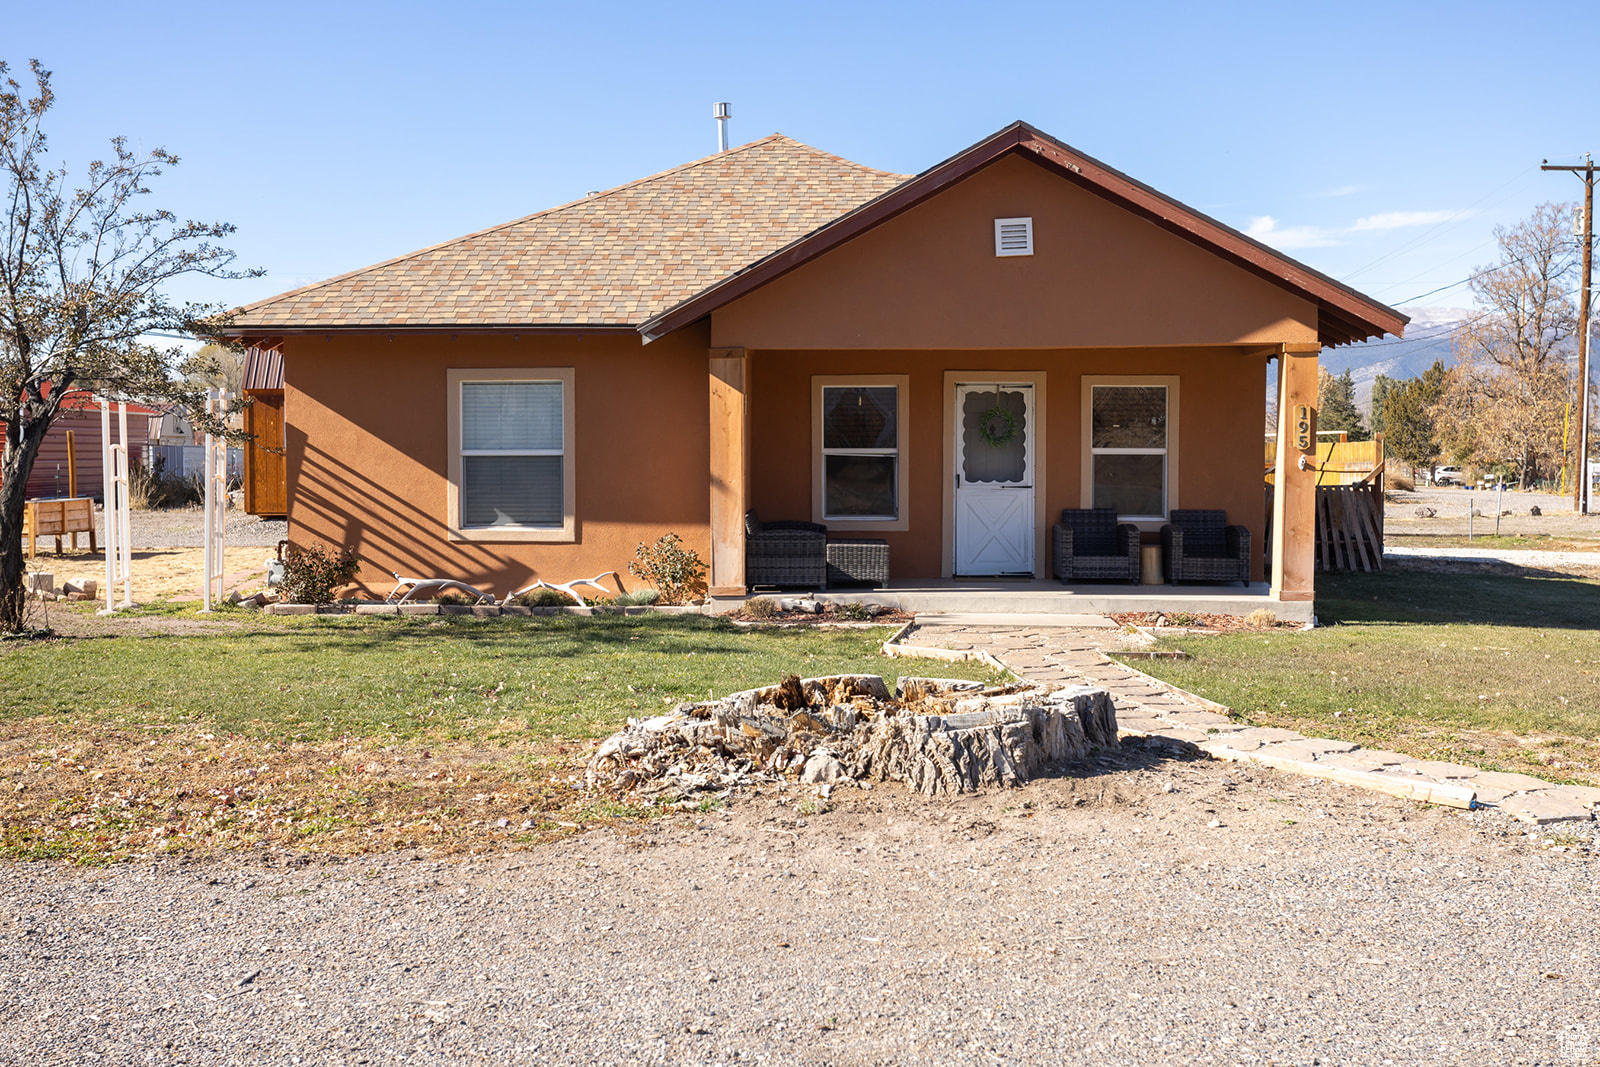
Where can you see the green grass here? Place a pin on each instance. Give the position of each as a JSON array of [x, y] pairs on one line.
[[1471, 666], [402, 677]]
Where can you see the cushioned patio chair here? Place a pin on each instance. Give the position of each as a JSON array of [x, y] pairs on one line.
[[785, 553], [1090, 543], [1200, 546]]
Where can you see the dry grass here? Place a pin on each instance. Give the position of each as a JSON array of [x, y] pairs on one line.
[[97, 794]]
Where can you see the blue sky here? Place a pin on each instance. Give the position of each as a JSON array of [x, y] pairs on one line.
[[1380, 143]]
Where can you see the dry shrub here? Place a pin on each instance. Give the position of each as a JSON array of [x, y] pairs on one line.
[[310, 575], [1398, 482], [761, 607], [1262, 618], [675, 570]]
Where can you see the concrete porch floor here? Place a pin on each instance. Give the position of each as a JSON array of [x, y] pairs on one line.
[[969, 596]]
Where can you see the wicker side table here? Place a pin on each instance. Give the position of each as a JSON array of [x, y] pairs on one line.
[[858, 562]]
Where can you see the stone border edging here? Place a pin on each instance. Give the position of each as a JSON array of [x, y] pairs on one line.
[[1205, 728], [895, 646]]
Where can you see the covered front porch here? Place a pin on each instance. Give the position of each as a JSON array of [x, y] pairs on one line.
[[917, 520], [1049, 598]]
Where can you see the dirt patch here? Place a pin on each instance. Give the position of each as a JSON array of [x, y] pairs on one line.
[[161, 573], [100, 795], [833, 614], [1196, 622], [1452, 508]]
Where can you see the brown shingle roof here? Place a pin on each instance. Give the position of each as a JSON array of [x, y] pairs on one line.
[[612, 259]]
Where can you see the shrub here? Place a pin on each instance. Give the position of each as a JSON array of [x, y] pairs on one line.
[[639, 597], [853, 609], [676, 571], [544, 598], [154, 487], [1181, 618], [1262, 618], [310, 575], [761, 607]]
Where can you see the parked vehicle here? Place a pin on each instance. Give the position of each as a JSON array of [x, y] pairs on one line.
[[1449, 476]]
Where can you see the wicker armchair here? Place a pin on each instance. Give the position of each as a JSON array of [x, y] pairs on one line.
[[1090, 543], [785, 553], [1200, 546]]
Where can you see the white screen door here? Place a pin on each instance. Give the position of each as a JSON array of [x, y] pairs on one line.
[[994, 479]]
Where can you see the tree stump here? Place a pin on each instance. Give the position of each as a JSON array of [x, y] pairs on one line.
[[1005, 742]]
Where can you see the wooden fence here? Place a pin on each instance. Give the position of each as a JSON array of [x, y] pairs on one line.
[[1339, 462], [1349, 527]]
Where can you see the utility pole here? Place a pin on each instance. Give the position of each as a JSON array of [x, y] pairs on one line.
[[1580, 492]]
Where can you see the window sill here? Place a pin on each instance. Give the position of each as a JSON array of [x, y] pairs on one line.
[[515, 534]]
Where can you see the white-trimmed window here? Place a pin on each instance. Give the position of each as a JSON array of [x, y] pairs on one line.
[[1130, 432], [859, 439], [511, 457]]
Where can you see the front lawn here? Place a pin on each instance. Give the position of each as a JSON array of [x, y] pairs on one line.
[[350, 734], [1495, 670]]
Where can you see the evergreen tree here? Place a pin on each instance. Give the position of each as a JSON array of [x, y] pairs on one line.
[[1336, 405], [1380, 389], [1408, 417]]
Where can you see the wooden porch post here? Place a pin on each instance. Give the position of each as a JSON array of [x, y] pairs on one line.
[[1294, 504], [730, 462]]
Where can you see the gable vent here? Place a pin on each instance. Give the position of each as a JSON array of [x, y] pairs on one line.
[[1013, 237]]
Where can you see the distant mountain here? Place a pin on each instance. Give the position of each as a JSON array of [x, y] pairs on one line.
[[1427, 339]]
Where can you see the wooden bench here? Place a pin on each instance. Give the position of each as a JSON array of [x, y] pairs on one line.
[[58, 518]]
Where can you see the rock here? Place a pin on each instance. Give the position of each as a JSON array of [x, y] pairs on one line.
[[1477, 513], [1426, 513], [822, 767], [41, 582], [1535, 510], [805, 604]]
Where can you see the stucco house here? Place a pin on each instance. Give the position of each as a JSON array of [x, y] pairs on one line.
[[921, 359]]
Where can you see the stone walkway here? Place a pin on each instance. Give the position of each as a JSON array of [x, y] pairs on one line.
[[1147, 707]]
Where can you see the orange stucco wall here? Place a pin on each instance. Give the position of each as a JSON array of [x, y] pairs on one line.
[[930, 279], [1221, 397], [367, 454]]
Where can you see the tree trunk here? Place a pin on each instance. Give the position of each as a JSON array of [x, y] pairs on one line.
[[16, 466]]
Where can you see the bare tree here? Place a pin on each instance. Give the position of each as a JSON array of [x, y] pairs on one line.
[[229, 367], [82, 274], [1508, 398]]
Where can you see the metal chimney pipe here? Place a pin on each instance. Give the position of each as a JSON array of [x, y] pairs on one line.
[[721, 112]]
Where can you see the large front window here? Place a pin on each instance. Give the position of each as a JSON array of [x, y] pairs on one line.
[[1130, 432], [861, 474], [511, 454], [511, 469]]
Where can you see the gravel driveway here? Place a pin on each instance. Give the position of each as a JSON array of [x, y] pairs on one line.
[[1097, 920], [186, 528]]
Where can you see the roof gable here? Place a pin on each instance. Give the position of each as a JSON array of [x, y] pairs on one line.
[[1343, 314], [611, 259], [932, 278]]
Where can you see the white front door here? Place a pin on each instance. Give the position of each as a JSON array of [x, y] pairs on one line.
[[994, 479]]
